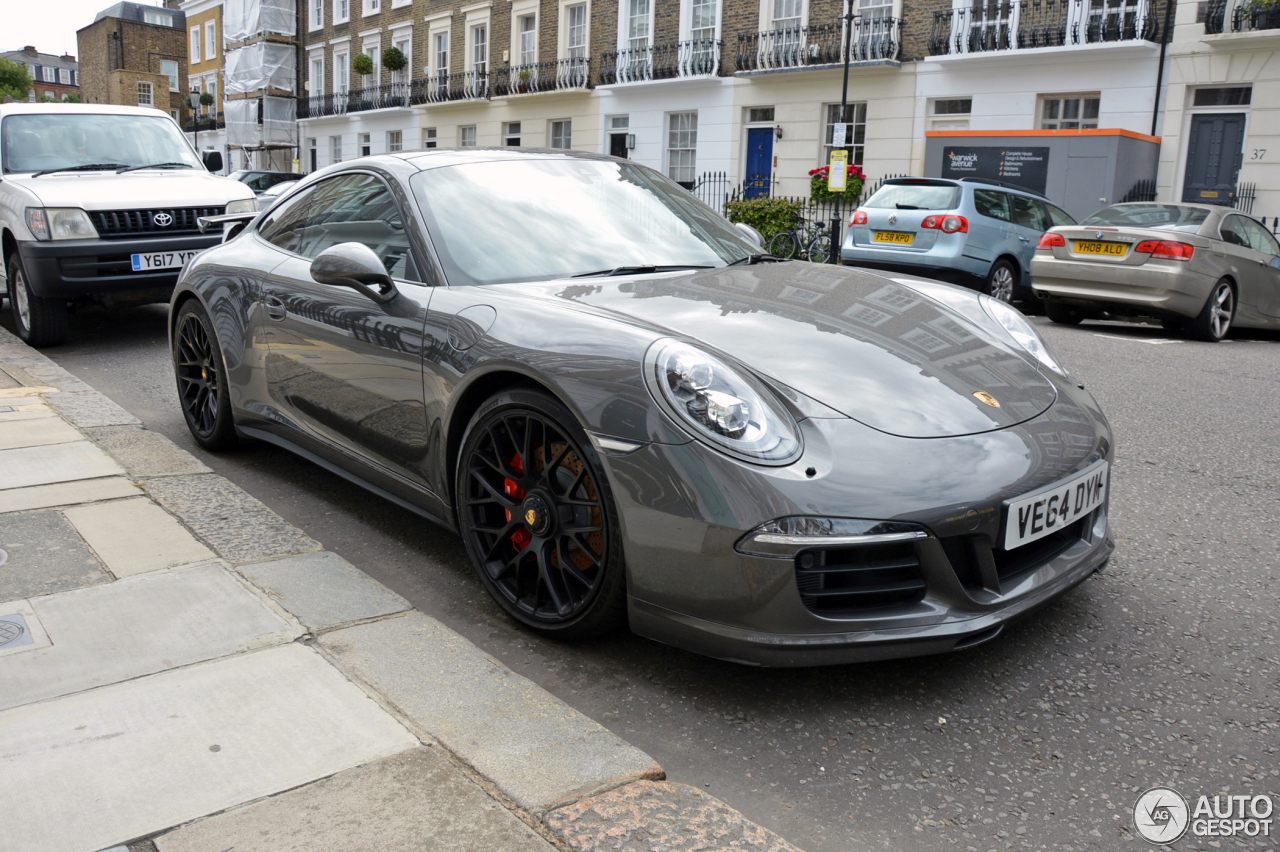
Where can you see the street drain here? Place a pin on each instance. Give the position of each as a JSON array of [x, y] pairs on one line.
[[14, 632]]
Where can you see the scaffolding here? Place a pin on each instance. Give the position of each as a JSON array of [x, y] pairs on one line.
[[260, 85]]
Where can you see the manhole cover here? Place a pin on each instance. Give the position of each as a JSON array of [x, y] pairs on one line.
[[13, 631]]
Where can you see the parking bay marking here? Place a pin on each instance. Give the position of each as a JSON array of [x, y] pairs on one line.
[[1154, 341]]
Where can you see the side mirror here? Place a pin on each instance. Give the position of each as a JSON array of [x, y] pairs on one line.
[[212, 161], [356, 266], [1275, 263], [750, 233]]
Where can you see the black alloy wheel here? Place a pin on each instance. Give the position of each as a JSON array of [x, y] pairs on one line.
[[202, 379], [537, 519]]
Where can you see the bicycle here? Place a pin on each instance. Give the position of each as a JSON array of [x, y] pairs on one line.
[[810, 241]]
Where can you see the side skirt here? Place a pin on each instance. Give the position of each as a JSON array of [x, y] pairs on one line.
[[283, 443]]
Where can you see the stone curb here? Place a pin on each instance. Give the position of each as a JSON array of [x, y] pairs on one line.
[[607, 795]]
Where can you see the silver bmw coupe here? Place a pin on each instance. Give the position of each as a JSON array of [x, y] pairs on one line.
[[1196, 268], [632, 415]]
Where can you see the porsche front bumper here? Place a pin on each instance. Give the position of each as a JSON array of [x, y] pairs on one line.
[[683, 508]]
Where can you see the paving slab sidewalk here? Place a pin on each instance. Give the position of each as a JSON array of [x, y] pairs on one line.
[[182, 665]]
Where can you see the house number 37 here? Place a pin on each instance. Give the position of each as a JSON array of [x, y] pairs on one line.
[[1258, 153]]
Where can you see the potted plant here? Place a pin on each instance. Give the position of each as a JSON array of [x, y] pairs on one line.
[[362, 65], [854, 180], [1261, 15], [394, 60], [524, 76]]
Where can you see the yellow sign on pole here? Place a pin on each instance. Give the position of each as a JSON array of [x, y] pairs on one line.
[[838, 175]]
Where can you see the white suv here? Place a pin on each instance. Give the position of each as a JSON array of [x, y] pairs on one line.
[[100, 202]]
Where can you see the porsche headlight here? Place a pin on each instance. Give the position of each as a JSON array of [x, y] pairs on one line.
[[1021, 332], [244, 205], [60, 223], [721, 405]]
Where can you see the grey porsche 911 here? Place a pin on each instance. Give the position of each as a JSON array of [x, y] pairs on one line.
[[632, 415]]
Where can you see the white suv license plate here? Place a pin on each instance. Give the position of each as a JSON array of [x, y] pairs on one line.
[[1050, 509], [161, 260]]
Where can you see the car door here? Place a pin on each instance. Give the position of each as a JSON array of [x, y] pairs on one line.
[[1263, 242], [1248, 266], [991, 233], [341, 367], [1029, 222]]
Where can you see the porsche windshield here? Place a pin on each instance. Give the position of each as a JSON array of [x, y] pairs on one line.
[[537, 219], [91, 141]]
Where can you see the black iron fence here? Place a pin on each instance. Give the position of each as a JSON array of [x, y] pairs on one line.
[[716, 191], [873, 38], [699, 57], [1143, 190], [1251, 16], [1013, 24]]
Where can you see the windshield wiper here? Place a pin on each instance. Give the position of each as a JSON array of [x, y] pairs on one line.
[[639, 270], [910, 207], [155, 166], [91, 167], [753, 259]]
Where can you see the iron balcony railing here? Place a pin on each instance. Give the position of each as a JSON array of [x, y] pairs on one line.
[[1040, 23], [1221, 17], [208, 121], [873, 39], [699, 57], [548, 76], [440, 88]]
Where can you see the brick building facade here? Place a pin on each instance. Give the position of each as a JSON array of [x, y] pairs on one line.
[[135, 55], [52, 77]]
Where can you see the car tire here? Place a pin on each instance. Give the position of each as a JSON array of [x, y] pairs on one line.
[[1002, 280], [784, 245], [1214, 320], [39, 322], [1063, 314], [201, 374], [512, 505]]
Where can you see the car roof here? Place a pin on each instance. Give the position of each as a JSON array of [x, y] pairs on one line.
[[963, 182], [82, 109], [436, 157]]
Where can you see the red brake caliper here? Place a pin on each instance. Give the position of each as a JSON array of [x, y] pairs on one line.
[[520, 538]]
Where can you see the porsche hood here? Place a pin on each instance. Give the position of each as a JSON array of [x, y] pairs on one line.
[[872, 349]]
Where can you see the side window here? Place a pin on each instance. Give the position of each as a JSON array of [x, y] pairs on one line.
[[994, 205], [1057, 216], [351, 208], [1233, 232], [1260, 239], [1028, 213]]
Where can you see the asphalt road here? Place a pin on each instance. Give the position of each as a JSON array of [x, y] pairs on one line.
[[1161, 670]]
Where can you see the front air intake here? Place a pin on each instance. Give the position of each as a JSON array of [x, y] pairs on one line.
[[842, 581]]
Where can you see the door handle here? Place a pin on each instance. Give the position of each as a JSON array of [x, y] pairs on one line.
[[1024, 239], [275, 308]]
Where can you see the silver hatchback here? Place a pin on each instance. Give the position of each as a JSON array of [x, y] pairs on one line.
[[979, 234]]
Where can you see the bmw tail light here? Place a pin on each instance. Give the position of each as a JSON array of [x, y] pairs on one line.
[[955, 225], [1048, 242], [1168, 249], [859, 217]]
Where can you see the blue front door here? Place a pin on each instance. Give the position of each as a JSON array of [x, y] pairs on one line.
[[759, 162]]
